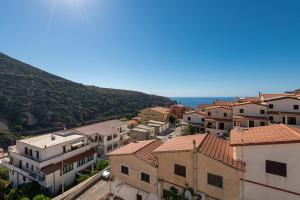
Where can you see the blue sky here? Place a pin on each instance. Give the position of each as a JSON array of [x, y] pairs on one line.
[[166, 47]]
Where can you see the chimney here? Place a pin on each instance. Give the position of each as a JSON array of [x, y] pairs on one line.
[[52, 137]]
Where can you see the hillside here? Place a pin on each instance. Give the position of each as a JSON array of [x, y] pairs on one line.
[[33, 101]]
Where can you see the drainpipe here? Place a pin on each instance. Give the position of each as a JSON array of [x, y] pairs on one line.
[[194, 167]]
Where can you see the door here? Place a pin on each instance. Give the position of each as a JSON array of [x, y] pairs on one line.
[[292, 120], [251, 123]]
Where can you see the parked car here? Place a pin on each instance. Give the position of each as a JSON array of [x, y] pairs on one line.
[[105, 175]]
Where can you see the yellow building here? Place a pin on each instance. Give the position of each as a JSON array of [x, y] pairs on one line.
[[156, 113]]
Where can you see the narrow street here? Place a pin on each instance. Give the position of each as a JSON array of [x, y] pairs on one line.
[[96, 192]]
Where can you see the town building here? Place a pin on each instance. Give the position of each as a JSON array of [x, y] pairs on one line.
[[196, 119], [177, 110], [250, 114], [155, 113], [52, 160], [271, 155], [284, 109], [106, 136], [141, 132], [134, 171], [218, 120]]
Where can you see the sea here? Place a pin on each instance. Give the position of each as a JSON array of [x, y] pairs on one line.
[[195, 101]]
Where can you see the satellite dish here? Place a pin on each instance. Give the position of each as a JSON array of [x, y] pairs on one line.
[[188, 195]]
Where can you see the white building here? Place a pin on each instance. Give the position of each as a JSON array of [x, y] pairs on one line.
[[250, 114], [50, 159], [106, 136], [196, 119], [271, 155], [284, 110]]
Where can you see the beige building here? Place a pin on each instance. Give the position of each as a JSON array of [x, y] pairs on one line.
[[202, 162], [271, 154], [250, 114], [156, 113], [218, 120], [134, 171]]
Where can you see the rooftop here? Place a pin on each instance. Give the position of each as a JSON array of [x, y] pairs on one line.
[[223, 103], [141, 149], [161, 109], [180, 143], [101, 128], [216, 107], [52, 139], [220, 150], [264, 135]]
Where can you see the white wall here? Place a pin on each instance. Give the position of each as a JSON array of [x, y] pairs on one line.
[[194, 118], [255, 158], [250, 110], [285, 105]]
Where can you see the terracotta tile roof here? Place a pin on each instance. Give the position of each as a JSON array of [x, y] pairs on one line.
[[281, 97], [216, 107], [245, 99], [132, 122], [101, 128], [141, 149], [263, 135], [204, 106], [146, 153], [51, 168], [131, 148], [180, 143], [161, 110], [197, 112], [223, 103], [251, 117], [220, 150], [249, 102], [270, 96]]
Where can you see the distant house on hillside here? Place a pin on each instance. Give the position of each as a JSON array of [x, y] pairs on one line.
[[156, 113]]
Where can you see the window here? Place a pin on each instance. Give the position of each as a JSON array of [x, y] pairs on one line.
[[251, 124], [139, 197], [225, 114], [109, 147], [296, 107], [27, 165], [241, 110], [215, 180], [24, 178], [89, 158], [30, 152], [31, 167], [202, 119], [115, 135], [180, 170], [277, 168], [67, 168], [124, 170], [221, 126], [271, 118], [209, 113], [64, 149], [271, 106], [96, 138], [80, 162], [262, 123], [145, 177], [189, 118], [262, 112], [37, 154], [26, 150], [116, 145], [109, 138]]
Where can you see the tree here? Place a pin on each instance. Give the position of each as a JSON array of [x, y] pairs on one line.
[[191, 130], [101, 164], [4, 173], [172, 119], [2, 188], [40, 197]]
